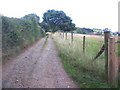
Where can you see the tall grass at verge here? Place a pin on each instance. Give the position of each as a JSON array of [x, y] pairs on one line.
[[88, 73]]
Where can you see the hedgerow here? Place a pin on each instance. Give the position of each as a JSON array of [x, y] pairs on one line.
[[19, 33]]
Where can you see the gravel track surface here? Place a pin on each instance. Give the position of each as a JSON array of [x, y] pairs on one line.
[[36, 68]]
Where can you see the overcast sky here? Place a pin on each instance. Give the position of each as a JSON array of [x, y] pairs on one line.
[[84, 13]]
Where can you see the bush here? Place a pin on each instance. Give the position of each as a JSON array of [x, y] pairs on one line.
[[18, 33]]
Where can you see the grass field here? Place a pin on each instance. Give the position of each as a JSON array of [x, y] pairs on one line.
[[88, 73]]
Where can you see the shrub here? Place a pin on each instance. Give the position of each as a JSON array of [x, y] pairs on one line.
[[18, 33]]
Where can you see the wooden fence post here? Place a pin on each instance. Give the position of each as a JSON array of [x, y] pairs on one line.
[[66, 35], [83, 44], [72, 35], [106, 36], [112, 65]]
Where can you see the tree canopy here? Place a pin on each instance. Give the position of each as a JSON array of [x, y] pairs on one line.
[[32, 17], [57, 20]]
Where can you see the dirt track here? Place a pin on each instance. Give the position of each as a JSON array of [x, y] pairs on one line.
[[36, 68]]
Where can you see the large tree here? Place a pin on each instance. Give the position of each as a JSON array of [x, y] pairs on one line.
[[57, 20], [32, 17]]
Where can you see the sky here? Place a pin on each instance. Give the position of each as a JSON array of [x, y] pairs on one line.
[[98, 14]]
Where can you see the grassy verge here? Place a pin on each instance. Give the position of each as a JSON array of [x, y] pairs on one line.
[[44, 43], [82, 78], [16, 53], [119, 80], [80, 66]]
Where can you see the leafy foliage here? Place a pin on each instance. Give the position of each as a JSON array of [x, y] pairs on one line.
[[32, 17], [57, 20], [84, 30], [18, 33]]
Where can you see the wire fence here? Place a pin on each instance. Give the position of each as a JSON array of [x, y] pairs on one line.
[[108, 47]]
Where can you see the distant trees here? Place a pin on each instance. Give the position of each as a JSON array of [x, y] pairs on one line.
[[84, 30], [57, 20], [118, 33]]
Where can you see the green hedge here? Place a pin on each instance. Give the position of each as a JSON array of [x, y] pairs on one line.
[[18, 33]]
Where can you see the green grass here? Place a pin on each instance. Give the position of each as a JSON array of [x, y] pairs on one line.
[[83, 79], [80, 66], [119, 49], [45, 42]]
